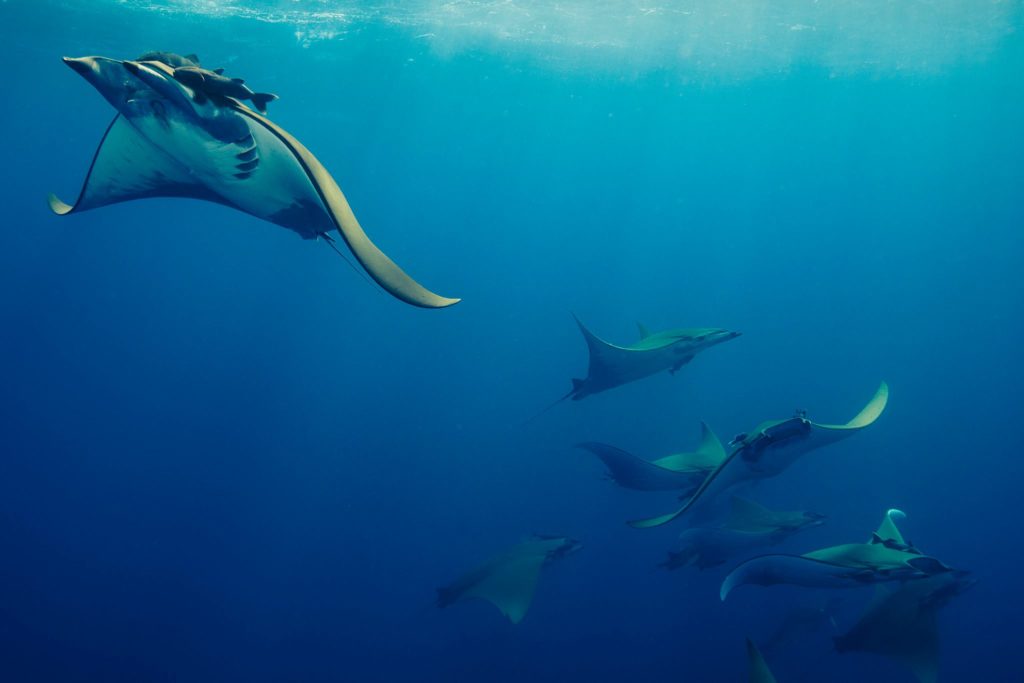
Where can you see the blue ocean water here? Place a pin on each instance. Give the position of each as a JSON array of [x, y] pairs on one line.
[[228, 458]]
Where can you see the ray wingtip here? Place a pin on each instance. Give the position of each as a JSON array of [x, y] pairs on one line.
[[446, 302], [59, 207], [424, 300], [644, 523]]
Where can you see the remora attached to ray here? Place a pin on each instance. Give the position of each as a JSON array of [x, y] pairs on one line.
[[508, 579], [768, 450], [903, 623], [885, 557], [612, 366], [163, 143], [670, 473], [748, 527]]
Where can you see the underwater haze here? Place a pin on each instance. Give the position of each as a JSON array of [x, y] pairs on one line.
[[228, 457]]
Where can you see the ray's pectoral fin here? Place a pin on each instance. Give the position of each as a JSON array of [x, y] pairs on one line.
[[868, 413], [759, 671], [382, 269], [126, 166], [510, 586]]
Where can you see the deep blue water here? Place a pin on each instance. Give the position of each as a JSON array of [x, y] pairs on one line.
[[225, 457]]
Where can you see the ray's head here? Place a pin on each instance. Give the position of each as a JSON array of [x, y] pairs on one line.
[[133, 88], [567, 546], [149, 90], [109, 76], [706, 337], [812, 519]]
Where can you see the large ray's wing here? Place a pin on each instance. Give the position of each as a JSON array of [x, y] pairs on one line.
[[770, 570], [632, 472], [902, 624], [603, 356], [923, 658], [759, 671], [509, 581], [127, 166], [381, 268], [729, 473], [868, 413]]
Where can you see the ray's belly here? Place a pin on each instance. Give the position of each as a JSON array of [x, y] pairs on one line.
[[255, 172]]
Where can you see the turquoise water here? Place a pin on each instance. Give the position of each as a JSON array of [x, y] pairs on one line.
[[227, 457]]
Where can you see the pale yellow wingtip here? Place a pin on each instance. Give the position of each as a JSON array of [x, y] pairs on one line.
[[57, 206], [873, 409]]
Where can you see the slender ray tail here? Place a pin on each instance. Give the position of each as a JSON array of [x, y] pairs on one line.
[[572, 392], [333, 245]]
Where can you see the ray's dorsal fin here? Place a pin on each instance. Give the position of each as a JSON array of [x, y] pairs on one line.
[[602, 353], [219, 71], [759, 671], [192, 58], [707, 456], [127, 166], [642, 329]]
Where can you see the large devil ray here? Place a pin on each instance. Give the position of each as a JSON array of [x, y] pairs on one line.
[[886, 557], [508, 579], [163, 143], [612, 366], [672, 472], [903, 624], [768, 450], [749, 526]]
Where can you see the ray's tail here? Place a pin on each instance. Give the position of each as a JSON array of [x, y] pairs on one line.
[[333, 245], [572, 394]]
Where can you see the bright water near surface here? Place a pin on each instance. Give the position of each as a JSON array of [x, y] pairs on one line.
[[225, 457]]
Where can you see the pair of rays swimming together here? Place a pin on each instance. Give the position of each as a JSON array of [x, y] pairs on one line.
[[184, 131], [901, 620]]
